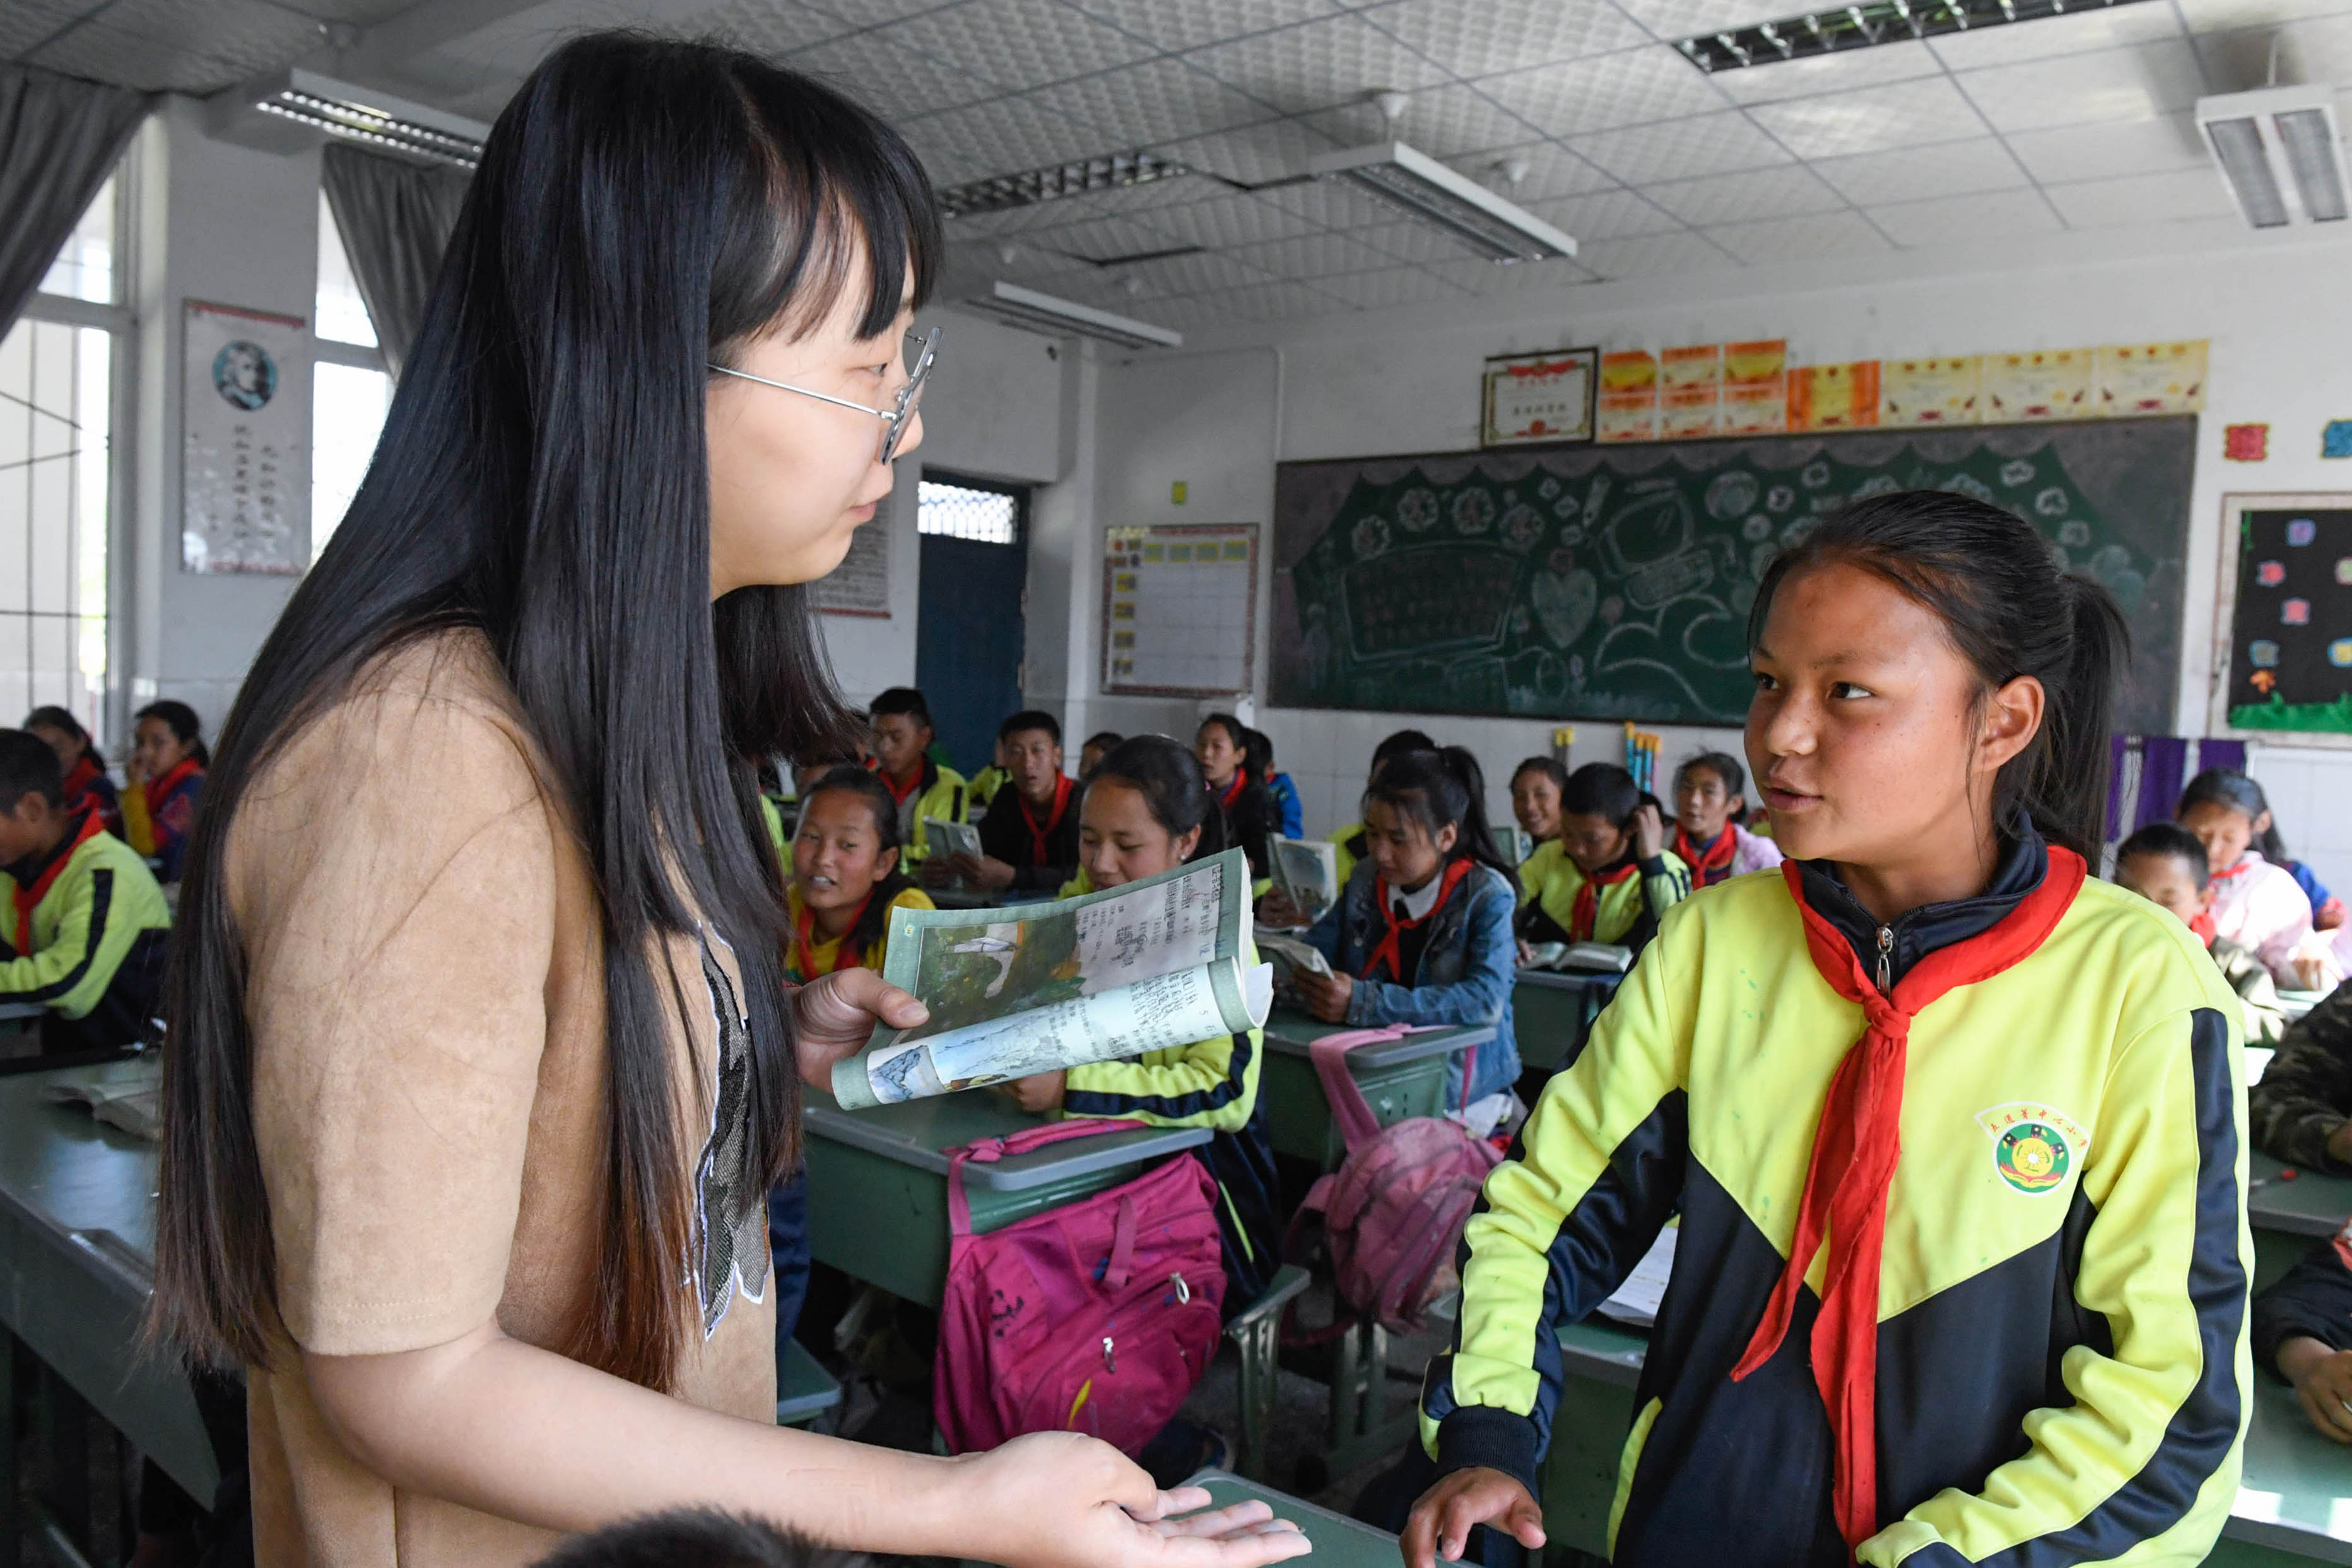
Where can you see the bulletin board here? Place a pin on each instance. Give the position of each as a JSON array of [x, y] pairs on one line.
[[1180, 610], [1614, 581], [2286, 605]]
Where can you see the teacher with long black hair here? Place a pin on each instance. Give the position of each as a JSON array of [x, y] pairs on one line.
[[480, 1062]]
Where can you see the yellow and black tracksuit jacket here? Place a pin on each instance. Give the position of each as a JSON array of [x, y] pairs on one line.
[[2062, 1366], [806, 958], [1625, 912], [941, 793], [97, 935]]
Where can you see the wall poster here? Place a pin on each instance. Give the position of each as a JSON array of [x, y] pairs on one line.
[[2282, 659], [1180, 610], [1539, 397], [244, 454]]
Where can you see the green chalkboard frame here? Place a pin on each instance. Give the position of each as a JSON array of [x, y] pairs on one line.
[[1582, 581], [2242, 613]]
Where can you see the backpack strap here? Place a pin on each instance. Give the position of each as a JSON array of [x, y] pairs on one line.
[[988, 1150], [1358, 1125]]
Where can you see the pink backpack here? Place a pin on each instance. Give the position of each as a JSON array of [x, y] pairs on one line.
[[1393, 1211], [1095, 1317]]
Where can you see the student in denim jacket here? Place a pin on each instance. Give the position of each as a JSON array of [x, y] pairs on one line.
[[1422, 934]]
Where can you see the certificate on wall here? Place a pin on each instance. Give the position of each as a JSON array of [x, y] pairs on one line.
[[2047, 383], [860, 585], [1931, 392], [1834, 397], [1690, 389], [1755, 387], [1539, 397], [244, 452], [1629, 397], [2151, 378]]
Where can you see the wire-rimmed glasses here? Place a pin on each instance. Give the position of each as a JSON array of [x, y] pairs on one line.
[[923, 350]]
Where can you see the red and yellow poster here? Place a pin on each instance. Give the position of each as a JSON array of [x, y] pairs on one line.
[[1629, 396], [2150, 378], [1690, 389], [1834, 397], [2047, 384], [1755, 387], [1931, 392]]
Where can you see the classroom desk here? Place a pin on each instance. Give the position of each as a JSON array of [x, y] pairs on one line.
[[1340, 1542], [877, 1181], [76, 1267], [2294, 1004], [1401, 1078], [1553, 1011], [2288, 1217]]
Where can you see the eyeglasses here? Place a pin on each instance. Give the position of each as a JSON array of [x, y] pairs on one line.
[[923, 350]]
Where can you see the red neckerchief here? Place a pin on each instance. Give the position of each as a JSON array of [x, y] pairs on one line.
[[1855, 1149], [27, 897], [1390, 949], [1711, 865], [804, 926], [1584, 915], [85, 774], [2243, 866], [1037, 835], [1234, 790], [159, 790], [2200, 925], [899, 792]]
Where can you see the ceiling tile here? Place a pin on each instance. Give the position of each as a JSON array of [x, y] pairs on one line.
[[1252, 154], [873, 12], [1829, 73], [2078, 33], [1681, 149], [1966, 220], [1628, 88], [2143, 199], [2110, 148], [1122, 201], [1188, 24], [1654, 255], [1681, 18], [999, 137], [1142, 105], [773, 26], [1318, 64], [1743, 197], [27, 23], [897, 82], [2114, 84], [1223, 222], [1799, 239], [2315, 49], [1019, 44], [2228, 15], [172, 46], [1313, 257], [1450, 121], [1398, 286], [1605, 215], [1552, 170], [1333, 205], [1872, 119], [1486, 278], [1491, 35], [1260, 302], [1205, 273], [1951, 169]]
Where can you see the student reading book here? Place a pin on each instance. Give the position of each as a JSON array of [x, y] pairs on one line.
[[923, 787]]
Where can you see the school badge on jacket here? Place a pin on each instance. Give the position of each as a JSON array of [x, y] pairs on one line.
[[2034, 1146]]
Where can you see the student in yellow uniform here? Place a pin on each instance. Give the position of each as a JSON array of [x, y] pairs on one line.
[[845, 877], [1538, 787], [1148, 811], [923, 788], [992, 778], [1350, 841], [1953, 1127], [1607, 877]]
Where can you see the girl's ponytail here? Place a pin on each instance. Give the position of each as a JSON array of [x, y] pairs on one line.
[[1440, 790], [1476, 838], [2064, 789]]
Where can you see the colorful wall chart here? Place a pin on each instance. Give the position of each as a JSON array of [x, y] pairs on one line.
[[1180, 609], [2290, 618]]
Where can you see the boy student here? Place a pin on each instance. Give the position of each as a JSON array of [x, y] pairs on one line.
[[1029, 839], [922, 786], [2165, 864], [86, 921]]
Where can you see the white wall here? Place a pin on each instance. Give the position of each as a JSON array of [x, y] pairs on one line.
[[1218, 416]]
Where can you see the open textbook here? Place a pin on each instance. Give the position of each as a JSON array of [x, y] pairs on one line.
[[1308, 873], [1036, 988], [945, 837], [1588, 957]]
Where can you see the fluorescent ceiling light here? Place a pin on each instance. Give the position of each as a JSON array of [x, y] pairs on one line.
[[1112, 172], [1427, 190], [1059, 317], [290, 109], [1839, 29], [2280, 153]]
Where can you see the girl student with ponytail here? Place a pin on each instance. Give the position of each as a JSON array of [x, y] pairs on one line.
[[166, 773], [1952, 1126], [1147, 811], [2257, 902], [1421, 933], [1607, 877], [845, 878], [1711, 834]]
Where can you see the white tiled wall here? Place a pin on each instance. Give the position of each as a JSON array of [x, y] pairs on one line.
[[2310, 791]]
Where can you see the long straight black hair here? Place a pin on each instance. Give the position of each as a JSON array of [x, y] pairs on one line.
[[2228, 787], [1988, 576], [1443, 789], [1168, 776], [643, 208]]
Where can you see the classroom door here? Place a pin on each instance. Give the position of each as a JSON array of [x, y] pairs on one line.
[[970, 620]]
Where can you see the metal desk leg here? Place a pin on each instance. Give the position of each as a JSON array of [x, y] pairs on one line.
[[1362, 1426], [1256, 1333]]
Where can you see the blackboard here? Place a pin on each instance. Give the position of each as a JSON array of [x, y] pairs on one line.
[[2291, 616], [1614, 581]]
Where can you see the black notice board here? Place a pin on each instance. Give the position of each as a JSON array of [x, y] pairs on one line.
[[1614, 581], [2291, 619]]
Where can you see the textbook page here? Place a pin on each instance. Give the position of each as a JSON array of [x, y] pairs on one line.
[[946, 838], [1033, 988], [1644, 1291], [1307, 872]]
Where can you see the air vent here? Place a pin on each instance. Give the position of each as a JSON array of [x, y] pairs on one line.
[[1839, 29], [1001, 193]]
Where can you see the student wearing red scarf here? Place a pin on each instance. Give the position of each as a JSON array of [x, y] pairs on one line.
[[1607, 877], [168, 760], [86, 783], [1711, 834], [1953, 1129], [1029, 839], [2165, 864], [1222, 747]]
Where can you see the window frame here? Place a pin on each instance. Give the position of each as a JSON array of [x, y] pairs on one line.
[[1019, 494]]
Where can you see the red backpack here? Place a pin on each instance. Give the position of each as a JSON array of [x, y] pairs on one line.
[[1393, 1212], [1095, 1317]]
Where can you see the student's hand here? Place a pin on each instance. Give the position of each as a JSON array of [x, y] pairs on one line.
[[1527, 953], [937, 872], [1325, 996], [2310, 972], [2322, 1381], [1055, 1499], [1040, 1092], [833, 1017], [1441, 1522], [1649, 831], [987, 872], [1277, 909]]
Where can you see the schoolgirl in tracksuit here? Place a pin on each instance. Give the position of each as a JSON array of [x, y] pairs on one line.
[[1953, 1127]]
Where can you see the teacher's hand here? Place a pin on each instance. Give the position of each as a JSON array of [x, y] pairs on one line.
[[833, 1017]]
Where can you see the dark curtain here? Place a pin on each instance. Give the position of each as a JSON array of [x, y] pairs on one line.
[[59, 138], [395, 218]]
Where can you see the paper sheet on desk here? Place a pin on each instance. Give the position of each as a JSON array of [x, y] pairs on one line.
[[1637, 1300]]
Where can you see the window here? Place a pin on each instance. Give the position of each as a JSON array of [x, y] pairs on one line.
[[969, 509], [57, 382], [350, 392]]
